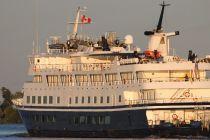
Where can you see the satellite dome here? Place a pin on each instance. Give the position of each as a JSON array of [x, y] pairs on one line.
[[128, 39]]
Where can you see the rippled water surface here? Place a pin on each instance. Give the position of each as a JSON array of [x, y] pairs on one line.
[[18, 132]]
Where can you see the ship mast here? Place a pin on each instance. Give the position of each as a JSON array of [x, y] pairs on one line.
[[75, 28], [159, 26], [158, 39], [76, 22]]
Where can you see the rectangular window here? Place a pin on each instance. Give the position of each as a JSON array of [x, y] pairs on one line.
[[107, 119], [82, 120], [101, 120], [69, 100], [52, 80], [89, 119], [95, 119], [76, 100], [111, 78], [81, 79], [50, 119], [50, 99], [89, 99], [36, 118], [28, 99], [66, 80], [83, 99], [39, 99], [58, 100], [140, 75], [33, 99], [96, 78], [37, 79], [76, 120], [45, 100], [107, 99], [126, 77], [42, 118], [101, 100], [95, 99], [120, 98]]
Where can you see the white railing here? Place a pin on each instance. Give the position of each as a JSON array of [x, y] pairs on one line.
[[71, 67], [167, 100], [123, 82], [179, 79]]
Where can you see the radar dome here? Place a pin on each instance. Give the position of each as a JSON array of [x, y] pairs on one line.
[[128, 39]]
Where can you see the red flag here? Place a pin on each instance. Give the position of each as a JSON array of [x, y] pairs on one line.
[[85, 19]]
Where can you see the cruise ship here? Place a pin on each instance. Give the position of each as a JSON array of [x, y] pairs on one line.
[[110, 88]]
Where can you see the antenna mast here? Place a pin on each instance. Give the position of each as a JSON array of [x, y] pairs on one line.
[[76, 22], [159, 26], [75, 28]]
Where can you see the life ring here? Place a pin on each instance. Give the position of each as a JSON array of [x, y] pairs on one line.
[[175, 116], [187, 94]]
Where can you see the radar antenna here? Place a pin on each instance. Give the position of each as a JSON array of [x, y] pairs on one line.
[[159, 26]]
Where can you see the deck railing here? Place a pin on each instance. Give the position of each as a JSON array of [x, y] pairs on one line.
[[72, 67], [123, 82], [168, 100]]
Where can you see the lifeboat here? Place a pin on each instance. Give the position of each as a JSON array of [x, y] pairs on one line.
[[152, 54]]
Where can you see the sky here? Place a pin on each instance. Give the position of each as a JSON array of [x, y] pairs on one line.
[[21, 19]]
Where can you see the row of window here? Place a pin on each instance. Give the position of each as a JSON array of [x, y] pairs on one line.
[[41, 99], [49, 99], [87, 120], [95, 99], [77, 120], [43, 118], [66, 80]]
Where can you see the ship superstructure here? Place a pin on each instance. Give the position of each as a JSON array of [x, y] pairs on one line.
[[109, 88]]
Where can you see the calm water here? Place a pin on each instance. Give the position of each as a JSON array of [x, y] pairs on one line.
[[18, 132]]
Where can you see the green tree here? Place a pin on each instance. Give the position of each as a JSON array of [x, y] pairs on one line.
[[6, 94], [17, 95]]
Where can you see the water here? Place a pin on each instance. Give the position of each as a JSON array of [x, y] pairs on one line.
[[18, 132]]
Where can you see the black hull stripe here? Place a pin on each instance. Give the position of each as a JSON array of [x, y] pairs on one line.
[[118, 107]]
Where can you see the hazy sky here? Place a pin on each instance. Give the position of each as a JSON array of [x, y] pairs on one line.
[[18, 19]]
